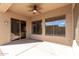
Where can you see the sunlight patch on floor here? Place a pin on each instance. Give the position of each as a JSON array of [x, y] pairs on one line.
[[37, 49]]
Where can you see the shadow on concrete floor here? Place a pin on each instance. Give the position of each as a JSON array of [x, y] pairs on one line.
[[23, 41]]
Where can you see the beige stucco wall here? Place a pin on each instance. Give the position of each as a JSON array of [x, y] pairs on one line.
[[76, 19], [68, 39], [5, 29]]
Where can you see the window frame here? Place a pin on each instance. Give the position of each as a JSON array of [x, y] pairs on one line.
[[39, 21], [55, 19]]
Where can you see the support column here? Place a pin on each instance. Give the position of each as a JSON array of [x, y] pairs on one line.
[[43, 26]]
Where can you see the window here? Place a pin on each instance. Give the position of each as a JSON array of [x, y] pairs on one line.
[[36, 27], [55, 26]]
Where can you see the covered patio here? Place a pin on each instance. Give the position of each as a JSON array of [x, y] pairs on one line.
[[35, 48]]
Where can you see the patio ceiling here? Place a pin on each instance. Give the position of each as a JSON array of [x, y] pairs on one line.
[[22, 8]]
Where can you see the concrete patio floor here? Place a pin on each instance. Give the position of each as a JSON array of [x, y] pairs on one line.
[[35, 48]]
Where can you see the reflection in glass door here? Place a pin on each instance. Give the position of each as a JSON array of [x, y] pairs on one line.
[[18, 29]]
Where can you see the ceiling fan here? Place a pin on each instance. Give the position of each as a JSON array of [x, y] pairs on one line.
[[35, 8]]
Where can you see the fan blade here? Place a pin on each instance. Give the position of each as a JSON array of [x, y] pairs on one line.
[[38, 11], [30, 10], [35, 6]]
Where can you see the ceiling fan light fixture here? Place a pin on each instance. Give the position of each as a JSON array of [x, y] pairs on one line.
[[34, 11]]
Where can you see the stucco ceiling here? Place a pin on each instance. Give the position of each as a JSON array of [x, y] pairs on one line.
[[22, 8], [4, 7]]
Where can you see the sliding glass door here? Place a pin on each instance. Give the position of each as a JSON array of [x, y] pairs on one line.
[[18, 29], [23, 29]]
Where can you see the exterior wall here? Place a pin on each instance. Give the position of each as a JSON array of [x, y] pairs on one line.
[[28, 28], [5, 29], [68, 39], [76, 19]]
